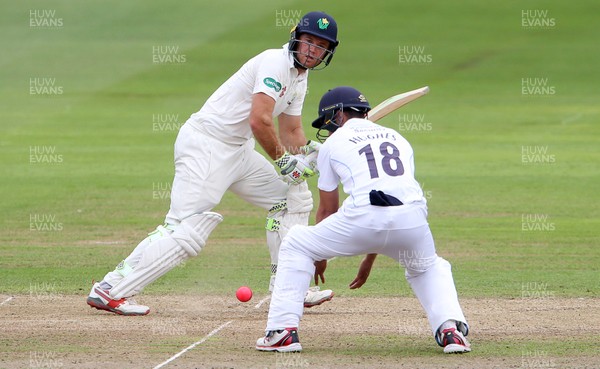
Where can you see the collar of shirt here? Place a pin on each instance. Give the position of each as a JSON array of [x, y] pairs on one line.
[[290, 60], [354, 122]]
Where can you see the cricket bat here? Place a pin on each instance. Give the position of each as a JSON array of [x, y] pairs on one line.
[[395, 102]]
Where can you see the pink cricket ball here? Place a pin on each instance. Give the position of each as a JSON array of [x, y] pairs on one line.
[[244, 294]]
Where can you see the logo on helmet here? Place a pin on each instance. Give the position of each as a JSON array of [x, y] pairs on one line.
[[323, 23], [362, 98]]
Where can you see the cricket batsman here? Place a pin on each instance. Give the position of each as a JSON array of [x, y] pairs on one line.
[[215, 152]]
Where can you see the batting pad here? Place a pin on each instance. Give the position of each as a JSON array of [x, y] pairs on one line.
[[282, 218], [299, 199], [299, 204], [164, 254]]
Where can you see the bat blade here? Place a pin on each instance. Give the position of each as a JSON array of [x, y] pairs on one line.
[[395, 102]]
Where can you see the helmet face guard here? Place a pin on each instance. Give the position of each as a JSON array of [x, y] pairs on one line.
[[342, 99], [323, 61], [328, 121], [318, 24]]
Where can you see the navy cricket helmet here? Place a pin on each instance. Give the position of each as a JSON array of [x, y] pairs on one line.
[[318, 24], [340, 98]]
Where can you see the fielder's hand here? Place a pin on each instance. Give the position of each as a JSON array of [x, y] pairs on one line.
[[294, 168], [320, 267], [363, 271]]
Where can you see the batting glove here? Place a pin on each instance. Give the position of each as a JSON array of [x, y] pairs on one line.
[[310, 147], [311, 152], [294, 168]]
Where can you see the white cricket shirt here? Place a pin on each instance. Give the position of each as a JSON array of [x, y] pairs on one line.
[[226, 113], [365, 156]]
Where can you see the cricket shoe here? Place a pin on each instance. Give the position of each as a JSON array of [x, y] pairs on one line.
[[101, 300], [453, 341], [314, 296], [284, 340]]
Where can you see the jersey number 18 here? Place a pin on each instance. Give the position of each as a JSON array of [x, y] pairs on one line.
[[391, 163]]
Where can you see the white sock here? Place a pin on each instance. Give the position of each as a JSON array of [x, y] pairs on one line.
[[448, 324]]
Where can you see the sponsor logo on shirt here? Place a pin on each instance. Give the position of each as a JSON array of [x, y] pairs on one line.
[[272, 83]]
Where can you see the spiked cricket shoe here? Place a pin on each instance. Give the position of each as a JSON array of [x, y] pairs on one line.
[[314, 296], [453, 341], [101, 300], [285, 340]]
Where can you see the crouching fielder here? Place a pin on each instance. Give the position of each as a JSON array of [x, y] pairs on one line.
[[385, 213]]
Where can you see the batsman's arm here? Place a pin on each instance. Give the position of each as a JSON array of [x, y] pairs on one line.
[[261, 123], [291, 133]]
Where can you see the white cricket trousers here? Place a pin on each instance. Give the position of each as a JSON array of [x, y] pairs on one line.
[[205, 168], [400, 232]]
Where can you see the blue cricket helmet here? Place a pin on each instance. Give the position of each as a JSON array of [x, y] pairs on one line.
[[340, 98], [318, 24]]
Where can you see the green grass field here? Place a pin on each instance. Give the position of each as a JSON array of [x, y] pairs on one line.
[[506, 142]]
